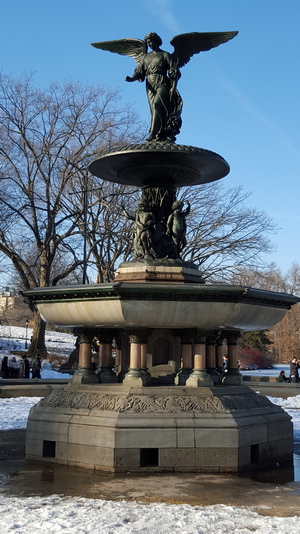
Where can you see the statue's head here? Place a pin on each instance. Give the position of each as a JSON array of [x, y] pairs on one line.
[[177, 205], [152, 36], [142, 206]]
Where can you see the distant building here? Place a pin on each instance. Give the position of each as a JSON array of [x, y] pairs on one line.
[[7, 301]]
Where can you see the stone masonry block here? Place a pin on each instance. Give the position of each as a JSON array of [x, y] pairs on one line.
[[210, 437], [92, 435], [285, 446], [244, 456], [179, 458], [146, 438], [34, 448], [88, 456], [222, 457], [43, 430], [281, 430], [252, 434], [186, 437], [127, 458]]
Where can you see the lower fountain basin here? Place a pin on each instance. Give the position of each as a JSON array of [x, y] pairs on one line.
[[159, 305]]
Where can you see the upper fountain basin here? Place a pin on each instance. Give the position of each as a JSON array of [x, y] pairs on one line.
[[160, 164]]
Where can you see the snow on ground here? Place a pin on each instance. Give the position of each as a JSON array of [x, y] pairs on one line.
[[13, 338], [14, 412], [59, 514]]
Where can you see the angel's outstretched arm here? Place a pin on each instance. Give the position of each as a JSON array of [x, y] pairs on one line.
[[137, 75], [135, 48]]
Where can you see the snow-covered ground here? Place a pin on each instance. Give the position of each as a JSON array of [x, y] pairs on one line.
[[13, 338], [59, 514]]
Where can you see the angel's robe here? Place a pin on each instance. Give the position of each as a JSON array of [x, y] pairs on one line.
[[161, 73]]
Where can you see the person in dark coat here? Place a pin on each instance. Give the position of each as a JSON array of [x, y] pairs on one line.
[[282, 377], [14, 368], [36, 367], [5, 371], [26, 367], [294, 373]]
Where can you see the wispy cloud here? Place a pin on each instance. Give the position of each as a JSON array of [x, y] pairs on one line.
[[285, 216], [254, 112], [163, 10]]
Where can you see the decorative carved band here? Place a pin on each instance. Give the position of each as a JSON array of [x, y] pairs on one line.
[[154, 403]]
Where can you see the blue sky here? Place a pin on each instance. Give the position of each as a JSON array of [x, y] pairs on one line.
[[241, 99]]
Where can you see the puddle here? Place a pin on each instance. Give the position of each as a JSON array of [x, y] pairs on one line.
[[24, 478], [278, 488], [278, 475]]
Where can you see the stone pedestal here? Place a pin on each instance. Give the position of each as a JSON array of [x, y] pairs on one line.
[[176, 271], [159, 429]]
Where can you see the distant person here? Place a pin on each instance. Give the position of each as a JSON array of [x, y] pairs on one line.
[[294, 373], [225, 364], [5, 371], [24, 367], [36, 367], [14, 368], [282, 377]]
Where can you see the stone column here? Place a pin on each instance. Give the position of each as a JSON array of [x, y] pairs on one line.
[[135, 376], [105, 373], [219, 354], [144, 352], [84, 373], [186, 357], [211, 357], [118, 358], [233, 377], [123, 347], [199, 377]]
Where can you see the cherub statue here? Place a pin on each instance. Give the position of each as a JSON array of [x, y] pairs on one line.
[[144, 221], [176, 225], [161, 71]]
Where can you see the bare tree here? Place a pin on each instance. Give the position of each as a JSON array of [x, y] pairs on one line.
[[285, 335], [48, 138], [223, 233], [106, 231]]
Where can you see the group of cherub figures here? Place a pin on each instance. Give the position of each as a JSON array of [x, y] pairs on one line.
[[164, 238]]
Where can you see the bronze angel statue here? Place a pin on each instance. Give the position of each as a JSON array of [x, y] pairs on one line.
[[161, 71]]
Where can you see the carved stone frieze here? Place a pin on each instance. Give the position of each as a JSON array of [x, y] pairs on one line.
[[61, 398]]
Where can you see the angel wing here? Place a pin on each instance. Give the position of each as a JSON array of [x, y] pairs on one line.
[[135, 48], [188, 44]]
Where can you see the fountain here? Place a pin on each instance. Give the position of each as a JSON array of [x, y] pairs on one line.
[[169, 406]]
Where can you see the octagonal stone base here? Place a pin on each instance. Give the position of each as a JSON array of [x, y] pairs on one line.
[[159, 429]]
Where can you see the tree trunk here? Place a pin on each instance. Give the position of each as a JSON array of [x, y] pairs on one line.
[[37, 344]]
